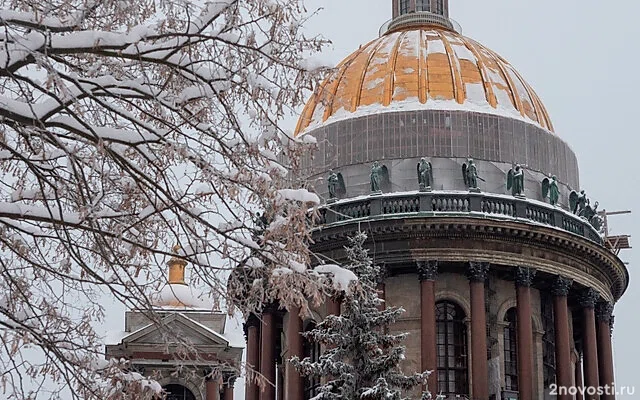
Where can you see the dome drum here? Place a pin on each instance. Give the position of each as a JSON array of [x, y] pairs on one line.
[[447, 138]]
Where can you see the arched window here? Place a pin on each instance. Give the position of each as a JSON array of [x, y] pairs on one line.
[[311, 350], [511, 350], [423, 5], [178, 392], [404, 7], [452, 349]]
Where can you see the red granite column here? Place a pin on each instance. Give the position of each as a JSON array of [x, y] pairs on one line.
[[212, 389], [590, 343], [563, 345], [252, 327], [268, 353], [579, 380], [605, 352], [228, 389], [333, 306], [295, 384], [524, 280], [477, 274], [427, 272]]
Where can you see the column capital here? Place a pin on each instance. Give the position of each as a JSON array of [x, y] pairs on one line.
[[478, 271], [561, 286], [588, 298], [604, 311], [427, 270], [524, 276]]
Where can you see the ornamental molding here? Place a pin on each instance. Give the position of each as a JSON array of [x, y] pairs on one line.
[[592, 260]]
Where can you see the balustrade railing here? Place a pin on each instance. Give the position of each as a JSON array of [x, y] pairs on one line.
[[438, 203]]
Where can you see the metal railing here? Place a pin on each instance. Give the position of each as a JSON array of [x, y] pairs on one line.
[[441, 203], [418, 19]]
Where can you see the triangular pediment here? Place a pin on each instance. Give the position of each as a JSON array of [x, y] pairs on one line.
[[176, 325]]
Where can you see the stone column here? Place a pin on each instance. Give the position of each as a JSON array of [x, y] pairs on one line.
[[252, 329], [477, 274], [590, 343], [212, 389], [295, 384], [427, 272], [605, 353], [524, 280], [579, 380], [560, 291], [268, 353], [333, 306], [228, 389]]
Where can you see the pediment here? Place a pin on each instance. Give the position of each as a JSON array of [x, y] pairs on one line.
[[176, 325]]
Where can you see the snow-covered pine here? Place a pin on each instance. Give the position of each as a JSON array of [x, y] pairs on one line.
[[361, 359], [125, 127]]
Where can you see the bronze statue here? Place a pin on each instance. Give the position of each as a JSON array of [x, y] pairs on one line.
[[578, 202], [470, 175], [515, 180], [425, 174], [336, 185], [550, 189], [379, 177]]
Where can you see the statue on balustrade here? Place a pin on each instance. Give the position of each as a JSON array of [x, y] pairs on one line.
[[550, 190], [336, 186], [425, 174], [578, 202], [515, 181], [379, 178], [470, 175]]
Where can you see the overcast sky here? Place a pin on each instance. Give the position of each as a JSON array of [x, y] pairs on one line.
[[582, 59]]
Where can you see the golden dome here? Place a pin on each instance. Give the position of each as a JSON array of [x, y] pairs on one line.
[[423, 68]]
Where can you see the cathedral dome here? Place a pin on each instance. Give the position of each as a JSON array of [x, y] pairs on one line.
[[426, 67]]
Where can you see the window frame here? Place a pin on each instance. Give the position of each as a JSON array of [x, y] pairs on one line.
[[451, 338], [510, 349]]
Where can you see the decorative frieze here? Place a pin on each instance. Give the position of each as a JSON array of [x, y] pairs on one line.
[[427, 270], [561, 286], [588, 298], [478, 271], [524, 276]]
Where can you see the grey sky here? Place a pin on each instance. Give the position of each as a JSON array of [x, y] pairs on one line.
[[582, 58]]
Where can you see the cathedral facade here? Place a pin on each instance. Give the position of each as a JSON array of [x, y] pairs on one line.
[[439, 150]]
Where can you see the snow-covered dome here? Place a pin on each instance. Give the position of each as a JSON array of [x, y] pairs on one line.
[[176, 293], [427, 67]]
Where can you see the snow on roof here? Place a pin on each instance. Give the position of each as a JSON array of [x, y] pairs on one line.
[[180, 296]]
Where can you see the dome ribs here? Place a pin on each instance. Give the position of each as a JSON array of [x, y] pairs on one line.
[[512, 86], [389, 81], [358, 91], [488, 87], [405, 69], [330, 107], [456, 76], [423, 81]]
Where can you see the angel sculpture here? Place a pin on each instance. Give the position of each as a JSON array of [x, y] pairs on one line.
[[470, 175], [578, 202], [379, 177], [515, 180], [425, 174], [336, 185], [550, 189]]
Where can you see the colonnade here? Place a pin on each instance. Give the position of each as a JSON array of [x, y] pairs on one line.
[[595, 314]]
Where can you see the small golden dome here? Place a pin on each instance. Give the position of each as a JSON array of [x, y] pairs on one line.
[[423, 68]]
